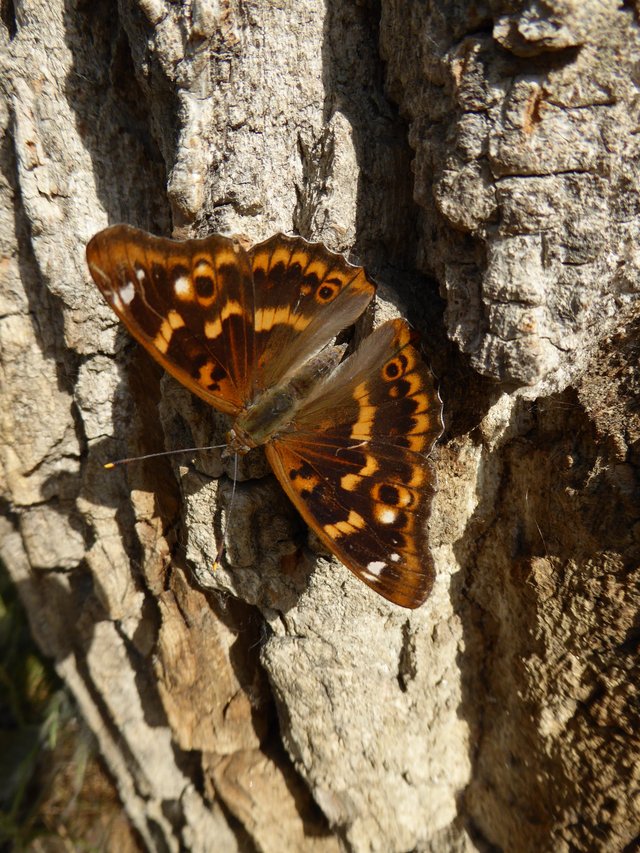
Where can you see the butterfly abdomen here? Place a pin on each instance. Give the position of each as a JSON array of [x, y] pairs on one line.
[[274, 410]]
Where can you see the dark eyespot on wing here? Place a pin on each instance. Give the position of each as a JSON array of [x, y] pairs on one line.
[[204, 286]]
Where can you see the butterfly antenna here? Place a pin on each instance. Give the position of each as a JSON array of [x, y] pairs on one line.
[[216, 562], [113, 464]]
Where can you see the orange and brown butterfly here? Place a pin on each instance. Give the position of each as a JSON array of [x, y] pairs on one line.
[[249, 332]]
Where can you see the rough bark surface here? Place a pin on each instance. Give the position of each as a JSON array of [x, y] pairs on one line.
[[276, 704]]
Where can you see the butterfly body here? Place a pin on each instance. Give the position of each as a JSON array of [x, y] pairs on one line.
[[274, 410], [250, 332]]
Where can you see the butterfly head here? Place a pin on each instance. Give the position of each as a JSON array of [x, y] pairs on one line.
[[239, 443]]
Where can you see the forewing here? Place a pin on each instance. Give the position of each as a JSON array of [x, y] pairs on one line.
[[304, 296], [189, 303], [355, 464]]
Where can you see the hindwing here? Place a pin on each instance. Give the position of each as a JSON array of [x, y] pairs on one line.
[[355, 464]]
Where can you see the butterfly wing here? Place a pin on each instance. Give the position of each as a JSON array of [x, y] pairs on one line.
[[304, 296], [226, 323], [355, 466], [189, 303]]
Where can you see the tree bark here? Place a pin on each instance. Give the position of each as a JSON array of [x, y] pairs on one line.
[[481, 160]]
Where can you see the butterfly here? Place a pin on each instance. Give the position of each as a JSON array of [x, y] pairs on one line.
[[250, 332]]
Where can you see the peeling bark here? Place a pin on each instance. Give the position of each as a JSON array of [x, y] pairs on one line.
[[275, 703]]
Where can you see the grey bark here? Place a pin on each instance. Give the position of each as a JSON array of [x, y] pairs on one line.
[[488, 149]]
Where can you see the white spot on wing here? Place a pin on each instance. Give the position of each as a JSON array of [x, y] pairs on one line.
[[376, 567], [388, 516], [140, 275], [127, 293], [394, 557], [181, 286]]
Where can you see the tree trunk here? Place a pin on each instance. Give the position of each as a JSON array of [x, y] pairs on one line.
[[488, 149]]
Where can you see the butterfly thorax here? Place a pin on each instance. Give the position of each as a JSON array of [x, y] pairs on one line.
[[273, 411]]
